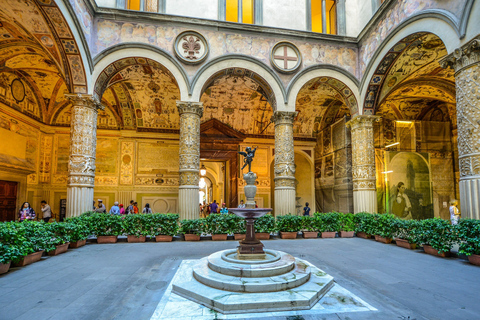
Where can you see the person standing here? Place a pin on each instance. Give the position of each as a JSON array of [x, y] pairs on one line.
[[115, 209], [224, 209], [122, 209], [94, 208], [147, 209], [306, 210], [241, 205], [214, 207], [46, 211], [135, 208], [101, 208], [26, 212], [454, 213], [130, 208]]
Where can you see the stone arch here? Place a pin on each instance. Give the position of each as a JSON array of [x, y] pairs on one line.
[[250, 67], [125, 52]]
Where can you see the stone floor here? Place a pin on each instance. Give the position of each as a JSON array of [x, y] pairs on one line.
[[128, 281]]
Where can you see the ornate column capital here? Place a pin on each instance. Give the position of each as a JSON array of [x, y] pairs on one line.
[[190, 107], [284, 117], [362, 121], [463, 57], [85, 100]]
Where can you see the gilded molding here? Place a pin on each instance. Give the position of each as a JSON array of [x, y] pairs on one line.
[[283, 117], [463, 57], [85, 100], [185, 107]]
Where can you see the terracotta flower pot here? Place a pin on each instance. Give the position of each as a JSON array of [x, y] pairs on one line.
[[239, 236], [383, 239], [192, 237], [61, 248], [428, 249], [107, 239], [288, 235], [28, 259], [328, 234], [310, 234], [346, 234], [405, 244], [473, 259], [262, 235], [135, 239], [363, 235], [4, 267], [78, 244], [219, 237], [163, 238]]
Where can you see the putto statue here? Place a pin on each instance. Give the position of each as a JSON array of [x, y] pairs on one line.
[[248, 157]]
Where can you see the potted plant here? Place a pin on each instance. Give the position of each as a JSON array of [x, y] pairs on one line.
[[218, 226], [384, 227], [437, 236], [37, 240], [264, 226], [78, 232], [347, 225], [136, 227], [164, 226], [12, 244], [469, 236], [238, 227], [60, 238], [364, 223], [328, 223], [288, 226], [192, 229], [406, 233], [106, 227], [309, 230]]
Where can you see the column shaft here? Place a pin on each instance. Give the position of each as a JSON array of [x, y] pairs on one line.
[[466, 63], [81, 165], [189, 163], [284, 163], [363, 164]]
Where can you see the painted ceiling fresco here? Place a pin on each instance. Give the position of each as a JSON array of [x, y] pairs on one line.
[[320, 103]]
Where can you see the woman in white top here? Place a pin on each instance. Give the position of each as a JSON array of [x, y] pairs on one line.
[[147, 209], [454, 213]]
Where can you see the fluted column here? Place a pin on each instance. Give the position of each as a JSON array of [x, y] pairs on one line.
[[81, 164], [284, 163], [466, 63], [189, 149], [363, 163]]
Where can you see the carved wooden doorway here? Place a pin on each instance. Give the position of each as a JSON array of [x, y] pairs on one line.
[[8, 200], [219, 142]]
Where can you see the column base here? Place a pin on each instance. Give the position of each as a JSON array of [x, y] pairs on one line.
[[365, 201], [285, 202], [469, 198], [79, 200], [188, 203]]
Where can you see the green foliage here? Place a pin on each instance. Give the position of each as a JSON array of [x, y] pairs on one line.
[[238, 224], [347, 222], [364, 222], [191, 226], [218, 224], [60, 232], [308, 223], [265, 224], [409, 230], [289, 223], [79, 229], [137, 224], [384, 225], [12, 242], [38, 237], [104, 224], [468, 231], [163, 223], [438, 233], [327, 222]]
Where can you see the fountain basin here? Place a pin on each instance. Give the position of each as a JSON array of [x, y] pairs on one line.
[[248, 213]]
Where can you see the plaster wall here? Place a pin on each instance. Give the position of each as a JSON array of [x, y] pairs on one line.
[[285, 14], [357, 14], [106, 3], [206, 9]]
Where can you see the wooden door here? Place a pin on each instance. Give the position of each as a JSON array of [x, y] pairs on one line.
[[8, 200]]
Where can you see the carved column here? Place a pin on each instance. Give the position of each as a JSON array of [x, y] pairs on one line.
[[466, 63], [83, 142], [363, 163], [284, 163], [189, 149]]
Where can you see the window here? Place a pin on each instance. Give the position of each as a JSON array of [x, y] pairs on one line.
[[142, 5], [240, 11], [323, 16]]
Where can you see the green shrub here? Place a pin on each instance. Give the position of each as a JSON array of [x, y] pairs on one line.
[[384, 225], [327, 222], [438, 233], [163, 223], [407, 230], [308, 223], [79, 229], [137, 224], [364, 222], [468, 231], [60, 232], [13, 242], [346, 222], [218, 224], [38, 237], [191, 226], [289, 223], [104, 224], [238, 224], [265, 224]]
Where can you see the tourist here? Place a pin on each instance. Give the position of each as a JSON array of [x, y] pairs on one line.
[[147, 209], [256, 205], [454, 213], [101, 208], [115, 209], [306, 210], [241, 205], [122, 209], [94, 208], [46, 211], [224, 209], [26, 212], [214, 207], [200, 212], [130, 207], [135, 208]]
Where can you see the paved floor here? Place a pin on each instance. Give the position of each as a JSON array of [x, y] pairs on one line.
[[127, 281]]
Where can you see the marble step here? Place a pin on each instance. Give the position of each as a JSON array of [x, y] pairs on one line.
[[292, 279]]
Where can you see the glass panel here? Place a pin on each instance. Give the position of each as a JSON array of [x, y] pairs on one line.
[[232, 10], [151, 5], [247, 11], [331, 17], [134, 4], [316, 9]]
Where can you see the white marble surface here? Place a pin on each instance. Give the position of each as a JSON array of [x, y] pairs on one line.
[[174, 307]]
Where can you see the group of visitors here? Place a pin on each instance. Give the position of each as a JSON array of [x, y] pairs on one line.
[[118, 209], [26, 212], [207, 208]]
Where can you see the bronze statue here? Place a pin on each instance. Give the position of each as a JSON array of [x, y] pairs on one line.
[[248, 154]]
